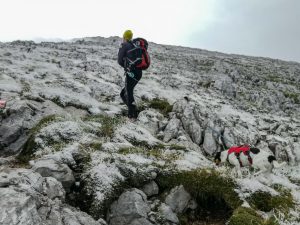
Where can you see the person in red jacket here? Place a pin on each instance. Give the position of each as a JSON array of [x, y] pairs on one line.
[[2, 104], [133, 75]]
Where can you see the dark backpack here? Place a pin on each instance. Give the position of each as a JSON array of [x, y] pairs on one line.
[[138, 57]]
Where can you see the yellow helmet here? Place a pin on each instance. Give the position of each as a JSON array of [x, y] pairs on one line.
[[127, 35]]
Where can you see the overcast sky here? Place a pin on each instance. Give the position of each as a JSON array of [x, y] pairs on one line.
[[252, 27]]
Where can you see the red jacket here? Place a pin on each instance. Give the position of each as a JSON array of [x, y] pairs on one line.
[[239, 149]]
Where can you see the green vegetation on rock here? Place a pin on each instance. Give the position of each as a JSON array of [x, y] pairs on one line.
[[264, 201], [274, 78], [158, 152], [177, 147], [162, 105], [28, 149], [248, 216], [202, 184], [294, 96], [108, 124]]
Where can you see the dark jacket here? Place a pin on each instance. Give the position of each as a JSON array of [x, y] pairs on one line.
[[125, 47]]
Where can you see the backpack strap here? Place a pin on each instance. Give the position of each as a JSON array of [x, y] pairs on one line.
[[130, 63]]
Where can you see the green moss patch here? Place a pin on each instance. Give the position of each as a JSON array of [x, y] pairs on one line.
[[214, 194], [294, 96], [264, 201], [162, 105], [248, 216], [202, 184], [145, 144], [108, 124], [28, 149], [274, 78], [93, 146], [177, 147]]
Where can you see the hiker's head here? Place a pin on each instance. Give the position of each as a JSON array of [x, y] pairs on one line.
[[127, 36]]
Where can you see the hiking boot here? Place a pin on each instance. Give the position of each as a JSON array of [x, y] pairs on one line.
[[132, 120], [132, 113]]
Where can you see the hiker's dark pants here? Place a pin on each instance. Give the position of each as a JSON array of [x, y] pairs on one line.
[[127, 92]]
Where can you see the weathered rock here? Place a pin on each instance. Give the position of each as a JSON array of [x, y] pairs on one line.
[[226, 86], [296, 146], [28, 198], [178, 199], [130, 209], [73, 217], [168, 214], [191, 124], [172, 129], [151, 120], [25, 178], [12, 127], [151, 189], [51, 168], [18, 208], [136, 135], [209, 145]]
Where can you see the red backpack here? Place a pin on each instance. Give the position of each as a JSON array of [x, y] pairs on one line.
[[138, 56]]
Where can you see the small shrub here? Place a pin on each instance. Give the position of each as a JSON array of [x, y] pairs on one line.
[[202, 184]]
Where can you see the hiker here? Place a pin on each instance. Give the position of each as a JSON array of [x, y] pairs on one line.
[[133, 57], [2, 104]]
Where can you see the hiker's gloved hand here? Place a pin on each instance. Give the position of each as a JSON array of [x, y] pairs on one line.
[[130, 74]]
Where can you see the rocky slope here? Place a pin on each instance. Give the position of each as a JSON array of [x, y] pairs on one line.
[[69, 156]]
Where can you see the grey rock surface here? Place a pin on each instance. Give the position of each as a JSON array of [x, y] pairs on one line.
[[168, 214], [51, 168], [178, 199], [130, 209], [30, 199], [151, 189]]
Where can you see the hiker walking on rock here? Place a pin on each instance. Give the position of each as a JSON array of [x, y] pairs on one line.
[[134, 58]]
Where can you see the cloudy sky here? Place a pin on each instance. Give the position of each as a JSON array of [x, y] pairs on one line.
[[252, 27]]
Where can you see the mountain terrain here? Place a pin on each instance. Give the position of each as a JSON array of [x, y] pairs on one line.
[[70, 156]]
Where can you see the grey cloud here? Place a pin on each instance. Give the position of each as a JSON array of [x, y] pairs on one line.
[[253, 27]]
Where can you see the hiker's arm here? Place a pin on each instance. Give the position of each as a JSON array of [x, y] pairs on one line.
[[121, 55]]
